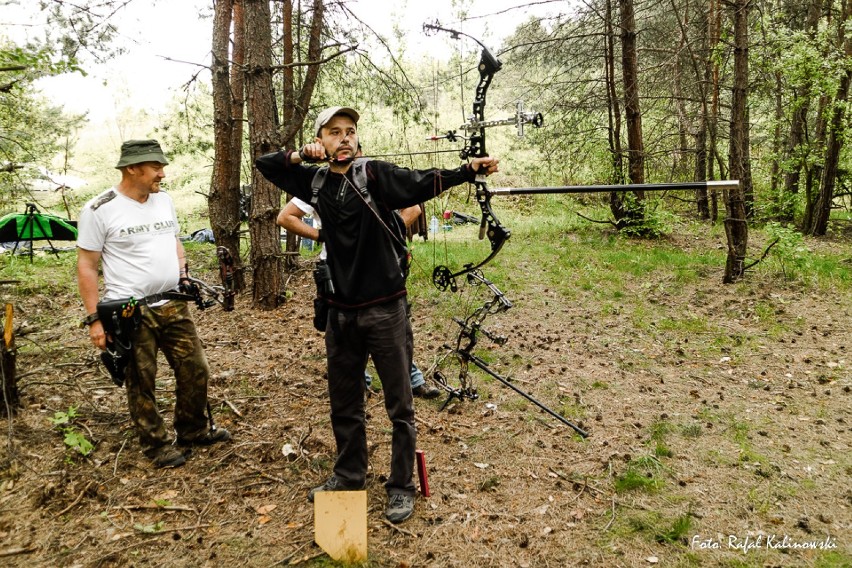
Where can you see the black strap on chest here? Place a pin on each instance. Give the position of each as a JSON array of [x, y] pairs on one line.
[[359, 180]]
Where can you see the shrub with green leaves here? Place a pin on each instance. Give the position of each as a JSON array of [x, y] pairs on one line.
[[789, 249], [73, 438]]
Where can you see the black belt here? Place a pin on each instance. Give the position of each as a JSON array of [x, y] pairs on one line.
[[170, 295]]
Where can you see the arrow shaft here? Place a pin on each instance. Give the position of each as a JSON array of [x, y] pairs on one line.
[[675, 186]]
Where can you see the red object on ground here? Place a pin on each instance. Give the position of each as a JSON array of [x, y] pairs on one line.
[[448, 214], [421, 472]]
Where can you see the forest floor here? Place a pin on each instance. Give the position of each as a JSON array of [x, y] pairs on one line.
[[720, 422]]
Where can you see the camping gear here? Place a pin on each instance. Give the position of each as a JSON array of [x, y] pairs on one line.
[[34, 226]]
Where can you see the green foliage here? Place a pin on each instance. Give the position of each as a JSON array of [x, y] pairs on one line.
[[789, 250], [152, 528], [64, 418], [33, 130], [677, 531], [72, 437], [642, 474]]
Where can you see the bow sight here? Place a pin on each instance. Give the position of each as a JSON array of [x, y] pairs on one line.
[[489, 64]]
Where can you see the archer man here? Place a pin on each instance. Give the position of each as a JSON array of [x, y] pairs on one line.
[[367, 257]]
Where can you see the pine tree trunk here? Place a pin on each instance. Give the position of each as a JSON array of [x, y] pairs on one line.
[[736, 225], [224, 200], [634, 213], [266, 198], [836, 133]]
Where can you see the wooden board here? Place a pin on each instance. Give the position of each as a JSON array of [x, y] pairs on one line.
[[340, 524]]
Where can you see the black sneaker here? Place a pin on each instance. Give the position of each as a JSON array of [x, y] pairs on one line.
[[332, 484], [166, 456], [213, 436], [426, 391], [400, 507]]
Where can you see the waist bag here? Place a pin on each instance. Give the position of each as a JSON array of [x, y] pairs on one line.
[[121, 319]]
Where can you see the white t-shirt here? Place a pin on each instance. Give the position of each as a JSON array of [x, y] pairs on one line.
[[137, 242], [306, 208]]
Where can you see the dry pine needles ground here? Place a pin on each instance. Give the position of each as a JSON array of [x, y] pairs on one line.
[[740, 429]]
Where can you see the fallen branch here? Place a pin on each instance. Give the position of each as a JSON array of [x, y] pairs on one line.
[[155, 506], [609, 524], [74, 503], [399, 529], [16, 551], [599, 221], [115, 467], [765, 252], [233, 408]]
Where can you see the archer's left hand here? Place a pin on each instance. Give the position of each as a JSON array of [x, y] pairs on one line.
[[485, 166]]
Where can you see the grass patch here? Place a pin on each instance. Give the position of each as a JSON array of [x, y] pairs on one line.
[[691, 430], [642, 474], [661, 529]]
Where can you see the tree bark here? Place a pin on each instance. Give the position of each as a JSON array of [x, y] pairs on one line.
[[795, 147], [224, 200], [736, 225], [836, 131], [266, 198], [297, 89], [614, 109], [632, 214], [238, 101]]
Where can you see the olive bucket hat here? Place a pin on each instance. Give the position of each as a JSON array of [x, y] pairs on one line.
[[139, 151]]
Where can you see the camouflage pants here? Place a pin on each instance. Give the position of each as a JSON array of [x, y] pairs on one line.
[[169, 328]]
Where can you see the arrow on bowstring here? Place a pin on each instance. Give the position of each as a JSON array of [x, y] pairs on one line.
[[727, 184]]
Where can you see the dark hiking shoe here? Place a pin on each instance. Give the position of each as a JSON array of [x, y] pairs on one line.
[[213, 436], [400, 507], [426, 391], [333, 484], [166, 456]]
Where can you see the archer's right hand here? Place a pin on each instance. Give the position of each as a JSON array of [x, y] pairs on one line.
[[313, 152]]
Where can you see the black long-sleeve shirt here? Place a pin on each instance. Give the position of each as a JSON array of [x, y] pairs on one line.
[[363, 251]]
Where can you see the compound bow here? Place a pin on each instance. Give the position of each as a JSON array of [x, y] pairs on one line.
[[442, 276], [207, 295]]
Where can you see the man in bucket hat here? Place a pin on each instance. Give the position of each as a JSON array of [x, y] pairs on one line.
[[131, 231], [357, 200]]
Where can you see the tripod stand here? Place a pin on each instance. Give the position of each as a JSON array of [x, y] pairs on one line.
[[33, 229]]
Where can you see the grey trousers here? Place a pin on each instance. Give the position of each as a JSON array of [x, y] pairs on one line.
[[384, 333]]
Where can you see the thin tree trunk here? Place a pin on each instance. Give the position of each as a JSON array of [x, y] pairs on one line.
[[736, 225], [237, 93], [795, 149], [266, 198], [813, 172], [302, 98], [614, 114], [714, 31], [634, 214], [836, 131], [296, 90], [288, 95], [224, 200]]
